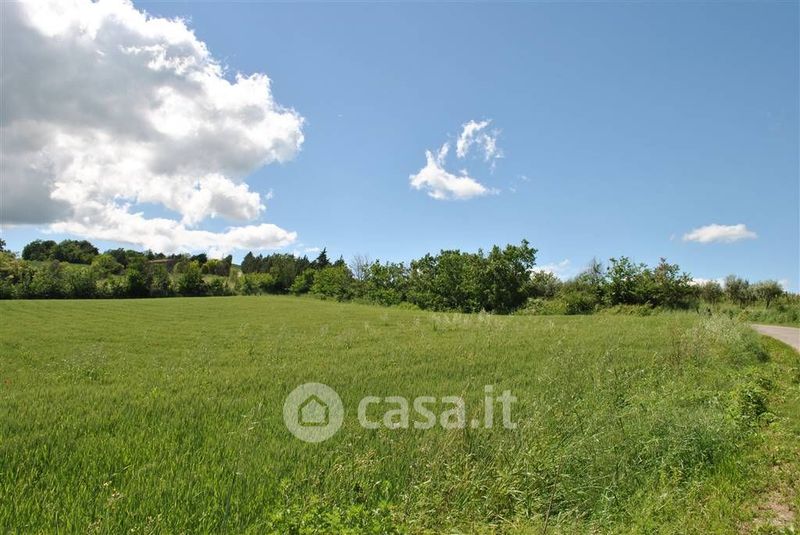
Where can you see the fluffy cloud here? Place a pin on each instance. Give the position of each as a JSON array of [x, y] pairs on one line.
[[105, 108], [443, 185], [720, 233], [474, 133]]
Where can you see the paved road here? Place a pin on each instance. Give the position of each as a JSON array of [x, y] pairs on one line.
[[787, 335]]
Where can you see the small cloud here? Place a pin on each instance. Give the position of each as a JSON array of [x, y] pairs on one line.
[[699, 281], [720, 233], [562, 270], [442, 185], [473, 134]]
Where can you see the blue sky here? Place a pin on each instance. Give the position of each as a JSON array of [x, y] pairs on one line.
[[622, 126]]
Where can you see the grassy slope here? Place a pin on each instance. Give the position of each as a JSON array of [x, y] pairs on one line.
[[165, 415]]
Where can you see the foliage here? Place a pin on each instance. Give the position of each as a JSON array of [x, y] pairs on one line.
[[767, 291], [39, 250], [190, 283], [503, 281], [303, 282], [106, 265], [334, 282]]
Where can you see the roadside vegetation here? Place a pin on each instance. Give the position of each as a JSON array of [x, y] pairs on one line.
[[502, 281], [164, 416]]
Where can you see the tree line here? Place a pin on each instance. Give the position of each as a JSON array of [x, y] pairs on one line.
[[502, 280]]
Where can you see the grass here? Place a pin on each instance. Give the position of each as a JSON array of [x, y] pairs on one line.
[[163, 416]]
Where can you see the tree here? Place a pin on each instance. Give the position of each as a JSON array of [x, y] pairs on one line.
[[359, 266], [506, 276], [626, 282], [201, 258], [2, 246], [138, 279], [333, 281], [322, 260], [105, 265], [47, 282], [768, 291], [710, 291], [670, 287], [249, 263], [303, 282], [190, 282], [386, 284], [39, 250], [80, 283], [75, 252], [738, 290], [159, 281], [544, 284]]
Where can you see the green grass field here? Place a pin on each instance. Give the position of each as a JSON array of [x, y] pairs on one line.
[[164, 416]]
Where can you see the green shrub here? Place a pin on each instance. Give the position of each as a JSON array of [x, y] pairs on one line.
[[333, 281], [190, 282]]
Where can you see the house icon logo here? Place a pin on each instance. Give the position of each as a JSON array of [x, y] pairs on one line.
[[313, 412]]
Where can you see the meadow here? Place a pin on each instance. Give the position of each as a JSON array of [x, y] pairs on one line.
[[164, 416]]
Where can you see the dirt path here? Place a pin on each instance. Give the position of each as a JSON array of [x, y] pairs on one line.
[[787, 335]]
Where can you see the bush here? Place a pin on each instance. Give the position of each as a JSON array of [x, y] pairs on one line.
[[80, 283], [217, 286], [105, 265], [39, 250], [334, 282], [257, 283], [160, 285], [190, 283], [303, 282], [579, 301]]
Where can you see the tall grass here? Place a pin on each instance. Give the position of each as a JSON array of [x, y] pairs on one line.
[[165, 416]]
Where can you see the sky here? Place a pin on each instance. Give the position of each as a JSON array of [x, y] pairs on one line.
[[392, 130]]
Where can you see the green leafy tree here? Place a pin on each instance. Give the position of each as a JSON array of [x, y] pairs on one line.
[[105, 265], [544, 285], [506, 276], [386, 284], [39, 250], [160, 284], [75, 252], [322, 260], [627, 283], [768, 291], [333, 281], [47, 282], [303, 282], [710, 292], [190, 282], [669, 287], [138, 279], [80, 283], [738, 290]]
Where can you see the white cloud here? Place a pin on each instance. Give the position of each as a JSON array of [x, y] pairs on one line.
[[699, 281], [442, 185], [473, 133], [720, 233], [562, 270], [105, 107]]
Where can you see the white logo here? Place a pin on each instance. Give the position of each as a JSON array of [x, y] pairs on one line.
[[313, 412]]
